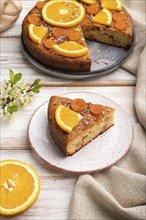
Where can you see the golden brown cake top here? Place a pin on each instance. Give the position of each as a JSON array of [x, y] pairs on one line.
[[91, 113], [121, 21]]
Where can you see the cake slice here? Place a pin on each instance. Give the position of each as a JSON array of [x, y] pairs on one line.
[[93, 119]]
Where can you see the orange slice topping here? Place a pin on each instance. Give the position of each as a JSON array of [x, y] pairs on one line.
[[63, 13], [37, 33], [66, 118], [93, 9], [78, 105], [74, 34], [103, 17], [112, 4], [49, 43], [121, 25], [57, 32], [33, 19], [71, 49], [40, 5], [19, 187], [88, 2], [96, 109]]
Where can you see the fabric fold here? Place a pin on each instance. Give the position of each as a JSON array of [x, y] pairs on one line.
[[140, 94], [9, 13], [119, 193]]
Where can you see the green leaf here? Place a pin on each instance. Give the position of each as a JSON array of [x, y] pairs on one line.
[[37, 81], [13, 108], [12, 77], [18, 76], [35, 90], [38, 87]]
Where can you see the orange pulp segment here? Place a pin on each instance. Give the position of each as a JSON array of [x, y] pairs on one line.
[[71, 49], [66, 118], [37, 33], [103, 17], [33, 19], [19, 187], [88, 2], [112, 4], [63, 13]]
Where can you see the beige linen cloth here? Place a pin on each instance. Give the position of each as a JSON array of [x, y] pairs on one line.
[[119, 193], [9, 13]]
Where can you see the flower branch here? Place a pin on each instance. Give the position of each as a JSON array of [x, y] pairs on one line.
[[14, 93]]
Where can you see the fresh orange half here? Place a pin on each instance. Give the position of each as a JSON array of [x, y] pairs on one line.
[[103, 17], [112, 4], [88, 2], [37, 33], [66, 118], [19, 187], [63, 13], [71, 49]]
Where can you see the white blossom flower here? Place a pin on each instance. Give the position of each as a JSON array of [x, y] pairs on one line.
[[15, 93]]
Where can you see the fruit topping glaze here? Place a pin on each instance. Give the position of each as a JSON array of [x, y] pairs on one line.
[[69, 114], [56, 23]]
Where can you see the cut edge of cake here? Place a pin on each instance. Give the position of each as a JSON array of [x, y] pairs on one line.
[[69, 144], [109, 35]]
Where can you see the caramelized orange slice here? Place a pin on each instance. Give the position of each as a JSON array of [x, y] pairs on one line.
[[40, 5], [63, 13], [74, 34], [93, 9], [119, 16], [78, 105], [33, 19], [57, 32], [96, 109], [49, 43], [121, 25], [66, 118]]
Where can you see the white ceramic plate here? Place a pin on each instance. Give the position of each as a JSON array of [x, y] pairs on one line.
[[101, 153]]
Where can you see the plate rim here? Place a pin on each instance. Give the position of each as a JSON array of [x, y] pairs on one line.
[[77, 75], [87, 171]]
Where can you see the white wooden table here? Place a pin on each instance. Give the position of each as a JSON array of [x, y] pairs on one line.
[[56, 187]]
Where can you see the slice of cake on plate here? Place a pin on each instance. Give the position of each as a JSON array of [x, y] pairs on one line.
[[74, 123]]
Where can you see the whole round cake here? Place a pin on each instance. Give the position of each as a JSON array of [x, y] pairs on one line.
[[54, 31]]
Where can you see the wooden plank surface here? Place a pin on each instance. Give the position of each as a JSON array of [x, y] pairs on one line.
[[56, 187]]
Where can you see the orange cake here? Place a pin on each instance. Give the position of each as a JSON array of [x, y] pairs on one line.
[[54, 31], [74, 123]]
